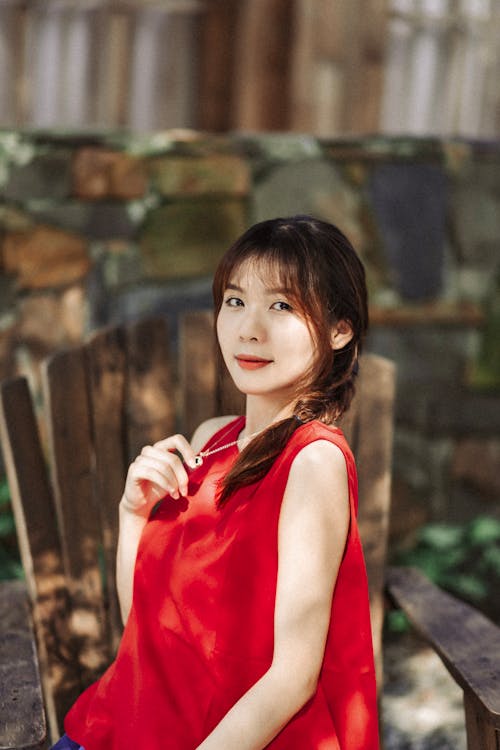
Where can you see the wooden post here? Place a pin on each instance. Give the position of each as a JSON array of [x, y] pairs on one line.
[[481, 733], [475, 62], [9, 60], [46, 54], [77, 103], [427, 68], [261, 75], [395, 93], [63, 57], [163, 85]]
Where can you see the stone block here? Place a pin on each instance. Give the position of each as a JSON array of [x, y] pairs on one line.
[[459, 411], [279, 147], [410, 204], [475, 212], [8, 293], [48, 320], [45, 257], [46, 174], [15, 220], [408, 513], [476, 462], [95, 221], [101, 173], [219, 174], [188, 237], [313, 186], [119, 263]]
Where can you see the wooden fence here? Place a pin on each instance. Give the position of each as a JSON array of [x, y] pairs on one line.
[[326, 67]]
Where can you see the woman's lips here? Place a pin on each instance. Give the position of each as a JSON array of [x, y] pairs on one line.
[[249, 362]]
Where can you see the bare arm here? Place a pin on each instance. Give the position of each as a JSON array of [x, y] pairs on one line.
[[313, 528], [154, 473]]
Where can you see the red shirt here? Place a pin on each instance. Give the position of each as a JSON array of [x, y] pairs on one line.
[[201, 627]]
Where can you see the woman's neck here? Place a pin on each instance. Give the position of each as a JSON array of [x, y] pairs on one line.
[[260, 413]]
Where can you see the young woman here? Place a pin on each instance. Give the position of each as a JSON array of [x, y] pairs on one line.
[[240, 571]]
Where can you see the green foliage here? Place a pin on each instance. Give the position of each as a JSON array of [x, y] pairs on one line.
[[462, 559], [10, 566]]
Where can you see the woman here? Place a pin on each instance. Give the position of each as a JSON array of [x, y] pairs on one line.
[[240, 572]]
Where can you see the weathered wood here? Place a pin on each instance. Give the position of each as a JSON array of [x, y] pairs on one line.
[[197, 370], [466, 641], [106, 365], [22, 719], [72, 461], [481, 734], [40, 550], [217, 63], [372, 433], [262, 70], [150, 396]]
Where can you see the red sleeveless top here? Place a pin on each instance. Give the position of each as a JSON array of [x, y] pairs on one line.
[[200, 630]]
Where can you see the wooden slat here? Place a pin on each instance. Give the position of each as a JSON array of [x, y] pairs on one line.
[[106, 365], [72, 460], [22, 718], [197, 370], [373, 433], [35, 518], [467, 642], [150, 396]]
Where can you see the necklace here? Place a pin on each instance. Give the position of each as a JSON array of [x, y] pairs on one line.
[[198, 459]]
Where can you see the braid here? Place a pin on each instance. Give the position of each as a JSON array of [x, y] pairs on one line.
[[326, 404]]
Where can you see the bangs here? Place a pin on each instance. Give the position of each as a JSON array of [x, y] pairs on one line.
[[277, 268]]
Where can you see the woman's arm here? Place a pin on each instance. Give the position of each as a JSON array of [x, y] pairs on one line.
[[154, 473], [313, 529]]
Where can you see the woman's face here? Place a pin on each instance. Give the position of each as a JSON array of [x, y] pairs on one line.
[[266, 343]]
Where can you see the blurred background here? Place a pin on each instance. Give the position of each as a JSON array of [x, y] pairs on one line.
[[316, 66]]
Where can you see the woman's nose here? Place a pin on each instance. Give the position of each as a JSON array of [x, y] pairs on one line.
[[251, 328]]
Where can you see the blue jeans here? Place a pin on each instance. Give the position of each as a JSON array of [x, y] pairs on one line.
[[66, 744]]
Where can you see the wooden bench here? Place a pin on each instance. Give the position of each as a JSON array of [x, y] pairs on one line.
[[102, 402]]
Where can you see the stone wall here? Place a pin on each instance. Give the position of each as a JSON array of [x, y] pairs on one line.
[[104, 228]]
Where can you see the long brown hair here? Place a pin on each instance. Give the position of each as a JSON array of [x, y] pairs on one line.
[[325, 280]]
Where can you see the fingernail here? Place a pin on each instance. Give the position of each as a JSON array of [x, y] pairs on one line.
[[192, 463]]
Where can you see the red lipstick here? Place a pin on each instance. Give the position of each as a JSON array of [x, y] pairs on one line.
[[249, 362]]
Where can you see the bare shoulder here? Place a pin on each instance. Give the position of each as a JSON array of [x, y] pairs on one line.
[[318, 472], [319, 459], [206, 429]]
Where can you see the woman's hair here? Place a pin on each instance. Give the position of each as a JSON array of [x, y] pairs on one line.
[[325, 281]]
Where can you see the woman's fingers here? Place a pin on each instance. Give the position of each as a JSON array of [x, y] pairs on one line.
[[178, 443], [169, 475], [159, 466]]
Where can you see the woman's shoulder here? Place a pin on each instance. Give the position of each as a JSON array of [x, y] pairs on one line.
[[315, 445], [208, 428]]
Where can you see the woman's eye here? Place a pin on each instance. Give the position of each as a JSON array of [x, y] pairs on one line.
[[233, 302], [281, 306]]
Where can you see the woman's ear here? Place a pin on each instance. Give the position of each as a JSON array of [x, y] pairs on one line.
[[341, 334]]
